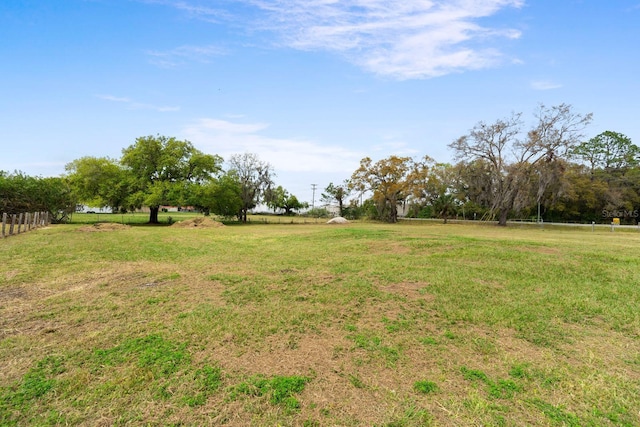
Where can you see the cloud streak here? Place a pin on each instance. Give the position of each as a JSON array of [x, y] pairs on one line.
[[397, 38], [209, 14], [544, 85], [401, 39], [182, 54], [134, 105]]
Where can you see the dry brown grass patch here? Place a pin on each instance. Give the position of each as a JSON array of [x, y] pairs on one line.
[[200, 222], [103, 226], [409, 290]]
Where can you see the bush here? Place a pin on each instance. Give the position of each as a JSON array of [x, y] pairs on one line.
[[317, 213]]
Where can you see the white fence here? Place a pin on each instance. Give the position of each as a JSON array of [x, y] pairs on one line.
[[23, 222]]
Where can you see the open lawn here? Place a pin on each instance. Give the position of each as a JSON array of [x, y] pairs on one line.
[[317, 325]]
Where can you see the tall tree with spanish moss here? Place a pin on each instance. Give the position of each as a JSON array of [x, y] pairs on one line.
[[514, 159]]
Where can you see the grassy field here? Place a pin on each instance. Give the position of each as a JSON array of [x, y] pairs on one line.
[[140, 218], [319, 325]]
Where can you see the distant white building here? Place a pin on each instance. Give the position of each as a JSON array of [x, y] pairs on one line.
[[89, 209], [333, 209]]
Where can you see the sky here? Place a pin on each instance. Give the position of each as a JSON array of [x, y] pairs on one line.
[[310, 86]]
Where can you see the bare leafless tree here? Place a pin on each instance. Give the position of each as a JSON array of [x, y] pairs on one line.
[[516, 161], [255, 178]]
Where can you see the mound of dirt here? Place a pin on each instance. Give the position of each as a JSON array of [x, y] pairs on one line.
[[200, 222], [338, 220], [103, 226]]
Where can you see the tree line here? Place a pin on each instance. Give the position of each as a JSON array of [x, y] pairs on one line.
[[20, 193], [506, 171], [503, 170], [157, 170]]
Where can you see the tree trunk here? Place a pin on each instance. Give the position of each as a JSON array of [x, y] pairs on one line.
[[153, 214], [502, 218], [393, 215]]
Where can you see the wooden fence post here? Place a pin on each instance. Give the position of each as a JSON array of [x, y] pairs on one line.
[[24, 222]]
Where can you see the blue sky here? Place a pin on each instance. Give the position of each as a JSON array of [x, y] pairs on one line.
[[311, 86]]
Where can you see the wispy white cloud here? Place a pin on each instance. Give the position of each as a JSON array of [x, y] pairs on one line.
[[180, 55], [134, 105], [114, 98], [398, 38], [404, 39], [393, 143], [226, 138], [544, 85], [203, 12]]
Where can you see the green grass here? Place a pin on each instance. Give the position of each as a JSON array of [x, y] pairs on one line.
[[425, 387], [310, 324], [168, 218]]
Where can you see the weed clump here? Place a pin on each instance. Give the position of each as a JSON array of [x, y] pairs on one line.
[[425, 387], [279, 389]]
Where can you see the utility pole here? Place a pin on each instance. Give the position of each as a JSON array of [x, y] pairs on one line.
[[313, 199]]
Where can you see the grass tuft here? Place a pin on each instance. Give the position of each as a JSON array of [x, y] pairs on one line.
[[279, 389], [425, 387], [153, 352]]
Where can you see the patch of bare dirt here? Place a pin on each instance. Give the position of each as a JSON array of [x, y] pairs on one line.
[[411, 290], [11, 293], [103, 226], [200, 222]]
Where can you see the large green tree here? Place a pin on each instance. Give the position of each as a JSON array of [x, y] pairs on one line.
[[162, 169], [388, 179], [100, 182], [221, 196], [280, 198], [614, 162], [609, 151]]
